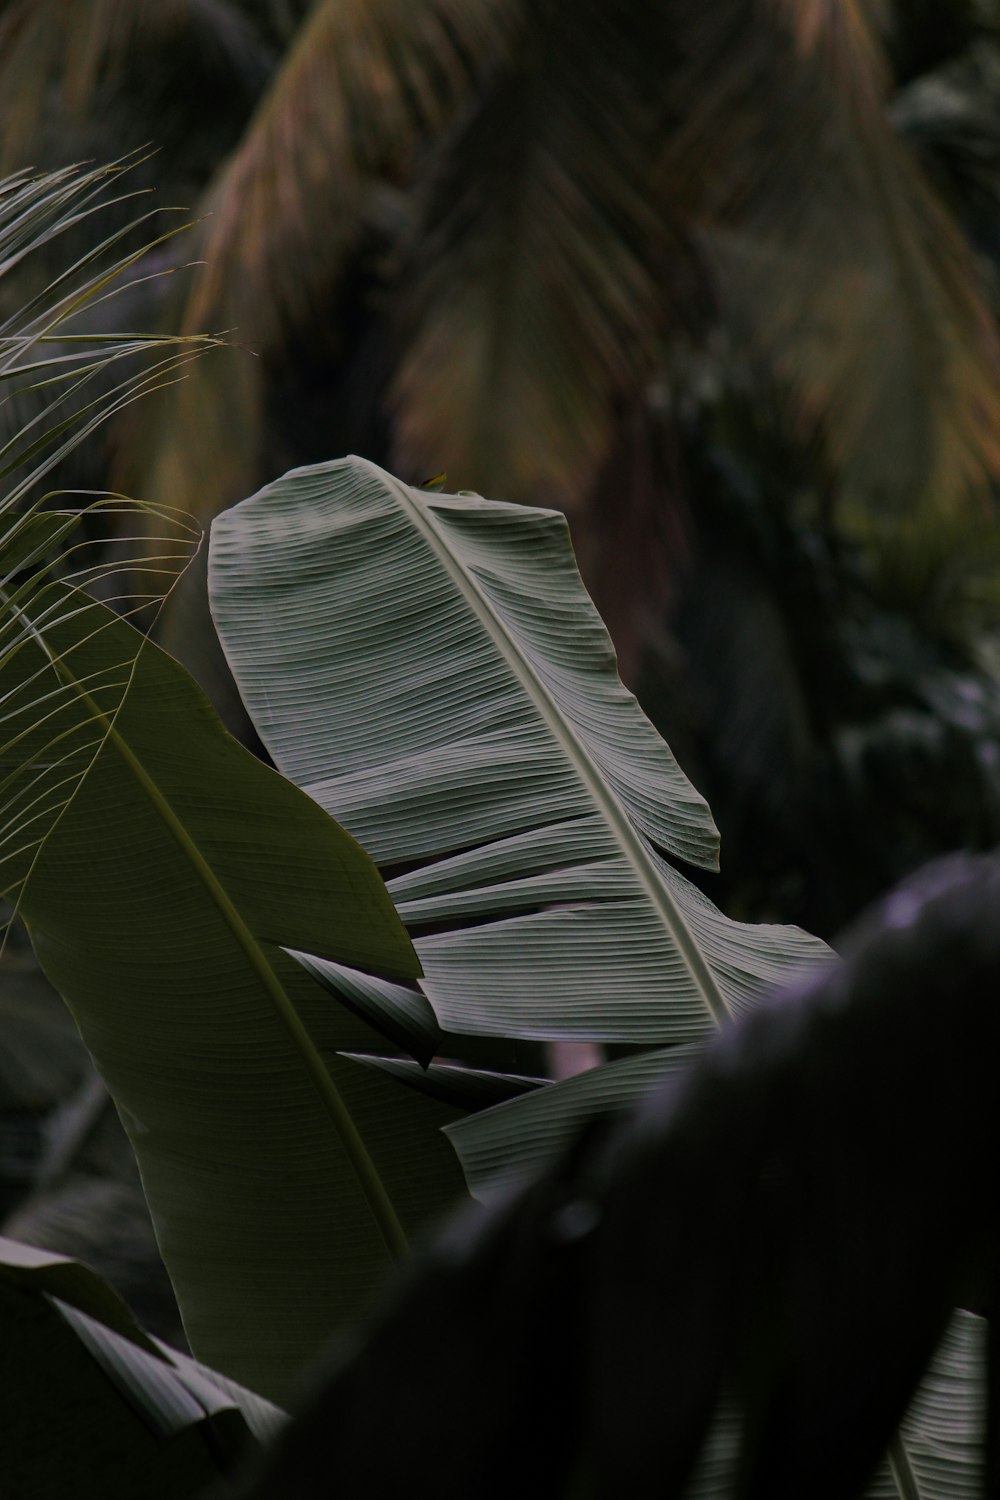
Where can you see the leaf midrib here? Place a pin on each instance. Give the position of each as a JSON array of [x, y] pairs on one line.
[[370, 1182], [902, 1470], [607, 804]]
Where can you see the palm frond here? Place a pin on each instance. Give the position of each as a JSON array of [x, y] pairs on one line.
[[839, 265], [74, 380], [359, 84], [63, 57], [533, 299]]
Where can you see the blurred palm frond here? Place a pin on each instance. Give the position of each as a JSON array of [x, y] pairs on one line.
[[532, 297], [359, 86], [62, 60], [63, 380], [840, 265]]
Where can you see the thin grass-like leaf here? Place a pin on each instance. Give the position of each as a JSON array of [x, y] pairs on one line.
[[60, 386]]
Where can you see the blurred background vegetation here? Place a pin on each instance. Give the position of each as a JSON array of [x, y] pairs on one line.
[[721, 281]]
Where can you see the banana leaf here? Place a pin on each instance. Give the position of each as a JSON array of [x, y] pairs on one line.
[[93, 1405], [283, 1180], [430, 669]]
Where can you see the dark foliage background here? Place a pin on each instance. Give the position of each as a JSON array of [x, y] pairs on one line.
[[721, 282]]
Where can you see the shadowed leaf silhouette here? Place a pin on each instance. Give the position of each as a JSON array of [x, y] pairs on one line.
[[769, 1246]]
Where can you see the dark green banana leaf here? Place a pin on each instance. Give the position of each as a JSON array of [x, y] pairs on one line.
[[283, 1181]]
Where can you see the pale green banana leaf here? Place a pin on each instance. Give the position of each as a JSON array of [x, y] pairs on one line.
[[937, 1453], [430, 669], [939, 1450], [501, 1147], [93, 1406], [282, 1179]]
